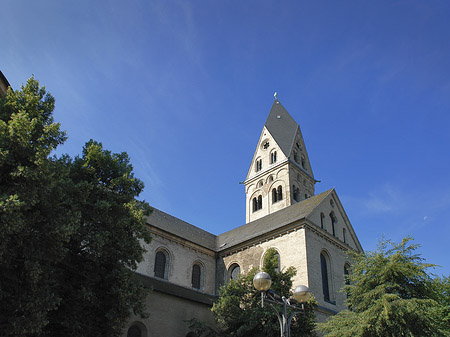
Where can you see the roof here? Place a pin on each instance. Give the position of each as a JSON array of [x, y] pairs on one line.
[[173, 225], [270, 222], [282, 127]]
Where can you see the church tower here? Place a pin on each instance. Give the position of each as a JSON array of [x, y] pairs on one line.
[[280, 174]]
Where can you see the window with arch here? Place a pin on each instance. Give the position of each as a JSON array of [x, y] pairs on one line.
[[161, 264], [277, 194], [273, 157], [260, 184], [137, 329], [258, 166], [295, 193], [272, 258], [322, 221], [257, 203], [333, 223], [270, 179], [296, 156], [344, 235], [325, 271], [134, 331], [303, 162], [197, 276], [234, 271]]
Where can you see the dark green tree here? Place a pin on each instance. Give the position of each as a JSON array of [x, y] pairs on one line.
[[390, 294], [238, 310], [70, 229]]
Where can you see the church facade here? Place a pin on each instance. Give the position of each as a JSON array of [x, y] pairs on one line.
[[185, 265]]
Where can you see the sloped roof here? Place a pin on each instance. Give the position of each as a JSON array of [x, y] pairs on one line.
[[173, 225], [282, 127], [270, 222]]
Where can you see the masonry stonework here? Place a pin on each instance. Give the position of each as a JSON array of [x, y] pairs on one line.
[[310, 232]]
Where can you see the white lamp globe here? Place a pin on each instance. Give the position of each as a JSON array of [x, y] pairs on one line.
[[302, 294], [262, 281]]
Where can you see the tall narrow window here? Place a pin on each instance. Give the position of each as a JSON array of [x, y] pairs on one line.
[[322, 221], [279, 193], [274, 195], [333, 223], [303, 162], [344, 234], [259, 202], [234, 271], [296, 156], [196, 276], [160, 265], [273, 157], [296, 193], [258, 165], [255, 204], [325, 279]]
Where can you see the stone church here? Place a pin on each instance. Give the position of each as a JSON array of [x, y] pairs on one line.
[[185, 265]]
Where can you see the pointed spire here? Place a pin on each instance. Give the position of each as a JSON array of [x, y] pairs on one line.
[[281, 126]]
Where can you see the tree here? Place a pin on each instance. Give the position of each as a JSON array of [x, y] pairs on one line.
[[71, 229], [390, 293], [238, 309]]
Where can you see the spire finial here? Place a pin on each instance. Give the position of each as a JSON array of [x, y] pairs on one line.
[[275, 95]]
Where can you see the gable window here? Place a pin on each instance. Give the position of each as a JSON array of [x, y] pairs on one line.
[[273, 157], [161, 262], [322, 221], [303, 162], [258, 165], [296, 156], [196, 276], [333, 223], [344, 234]]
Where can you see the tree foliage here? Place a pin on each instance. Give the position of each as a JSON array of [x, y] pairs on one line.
[[238, 310], [70, 227], [390, 293]]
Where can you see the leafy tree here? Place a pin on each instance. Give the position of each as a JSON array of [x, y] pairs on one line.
[[70, 228], [390, 294], [238, 310]]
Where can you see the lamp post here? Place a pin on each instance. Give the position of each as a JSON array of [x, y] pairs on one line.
[[262, 283]]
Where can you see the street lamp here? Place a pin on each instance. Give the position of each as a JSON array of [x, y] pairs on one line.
[[302, 294]]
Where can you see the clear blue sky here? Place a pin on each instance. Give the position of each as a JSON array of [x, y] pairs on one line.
[[185, 88]]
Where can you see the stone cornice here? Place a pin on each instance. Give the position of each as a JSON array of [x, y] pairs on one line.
[[180, 241]]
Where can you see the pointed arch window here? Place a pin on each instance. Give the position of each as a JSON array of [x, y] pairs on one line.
[[161, 265]]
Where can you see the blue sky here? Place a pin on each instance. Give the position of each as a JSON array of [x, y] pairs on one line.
[[185, 88]]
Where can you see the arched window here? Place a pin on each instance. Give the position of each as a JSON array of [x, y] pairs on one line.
[[137, 329], [344, 234], [296, 193], [303, 162], [279, 193], [333, 223], [234, 271], [274, 195], [196, 276], [273, 157], [322, 221], [325, 277], [134, 331], [257, 203], [296, 156], [260, 184], [258, 166], [161, 265]]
